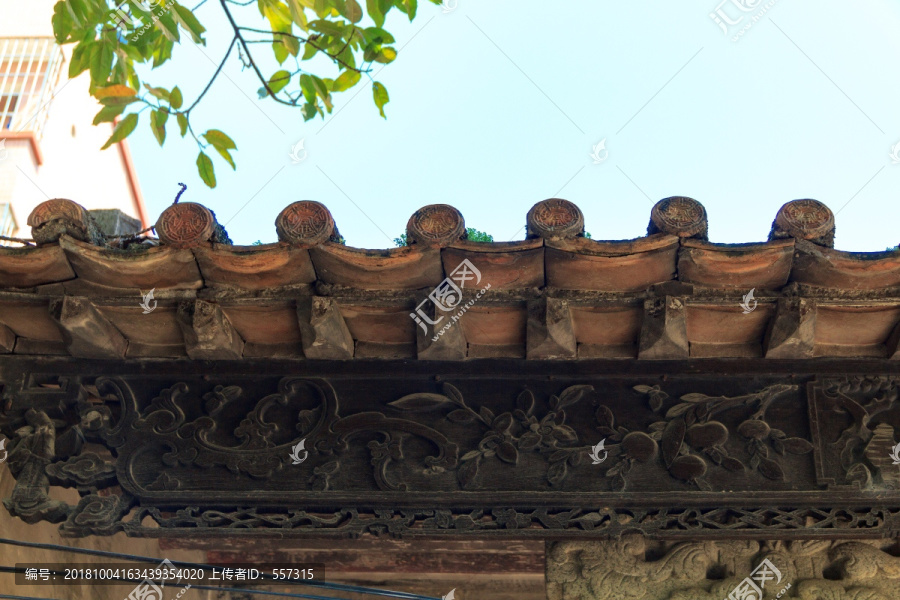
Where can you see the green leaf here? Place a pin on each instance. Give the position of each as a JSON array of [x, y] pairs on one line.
[[279, 80], [206, 170], [354, 12], [309, 51], [182, 123], [380, 93], [280, 51], [189, 22], [411, 8], [308, 111], [175, 98], [327, 27], [308, 88], [108, 114], [80, 59], [101, 61], [377, 35], [227, 156], [386, 55], [219, 140], [169, 27], [158, 92], [374, 9], [345, 81], [158, 120], [298, 15], [122, 130]]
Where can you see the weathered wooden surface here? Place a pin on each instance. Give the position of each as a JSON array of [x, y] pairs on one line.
[[693, 449]]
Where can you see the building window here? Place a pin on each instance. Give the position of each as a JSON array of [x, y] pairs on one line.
[[29, 71]]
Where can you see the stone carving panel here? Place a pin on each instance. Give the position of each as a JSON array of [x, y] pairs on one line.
[[637, 568]]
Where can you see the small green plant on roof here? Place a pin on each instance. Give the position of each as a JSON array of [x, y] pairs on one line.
[[587, 234], [473, 236], [257, 243], [897, 247], [114, 44]]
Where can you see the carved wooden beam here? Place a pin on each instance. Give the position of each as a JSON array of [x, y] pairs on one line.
[[208, 334], [550, 333], [87, 333], [791, 333], [681, 450], [664, 329], [323, 332]]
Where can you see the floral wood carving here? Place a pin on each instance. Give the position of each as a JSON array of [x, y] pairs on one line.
[[510, 433], [690, 437]]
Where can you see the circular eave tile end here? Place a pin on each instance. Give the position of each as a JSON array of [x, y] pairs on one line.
[[435, 225], [185, 224], [805, 219], [554, 219], [679, 215], [305, 223]]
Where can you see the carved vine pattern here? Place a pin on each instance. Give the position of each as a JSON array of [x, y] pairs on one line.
[[511, 433]]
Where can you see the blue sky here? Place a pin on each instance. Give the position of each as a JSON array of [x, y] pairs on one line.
[[497, 105]]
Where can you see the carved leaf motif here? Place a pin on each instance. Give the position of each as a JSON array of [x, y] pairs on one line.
[[797, 446], [557, 472], [564, 433], [468, 472], [678, 410], [502, 422], [770, 469], [508, 453], [529, 441], [469, 455], [573, 394], [453, 394], [618, 483], [695, 398], [672, 438], [604, 416], [656, 403], [461, 415], [420, 402], [486, 414]]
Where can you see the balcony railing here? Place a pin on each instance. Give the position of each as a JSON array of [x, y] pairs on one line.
[[29, 72]]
